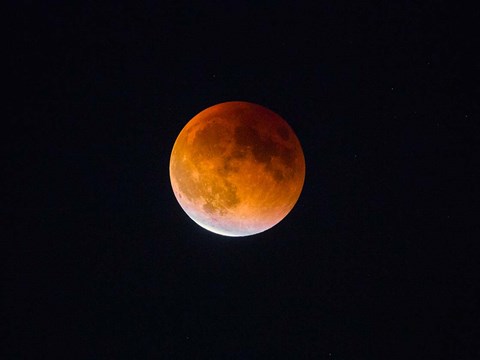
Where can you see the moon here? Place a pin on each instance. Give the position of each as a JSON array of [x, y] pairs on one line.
[[237, 168]]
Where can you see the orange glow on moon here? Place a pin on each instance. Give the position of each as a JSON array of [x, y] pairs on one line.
[[237, 168]]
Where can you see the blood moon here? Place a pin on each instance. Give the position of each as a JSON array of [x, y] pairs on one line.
[[237, 168]]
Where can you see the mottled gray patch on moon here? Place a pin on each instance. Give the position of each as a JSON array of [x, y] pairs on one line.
[[278, 175], [262, 149]]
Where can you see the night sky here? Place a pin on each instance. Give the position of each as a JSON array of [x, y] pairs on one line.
[[376, 261]]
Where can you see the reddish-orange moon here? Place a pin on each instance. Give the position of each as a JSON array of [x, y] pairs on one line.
[[237, 168]]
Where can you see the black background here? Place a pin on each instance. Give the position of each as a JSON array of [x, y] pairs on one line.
[[377, 259]]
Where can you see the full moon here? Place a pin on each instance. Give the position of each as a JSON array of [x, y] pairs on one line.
[[237, 168]]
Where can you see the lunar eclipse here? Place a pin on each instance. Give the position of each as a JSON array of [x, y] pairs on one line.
[[237, 168]]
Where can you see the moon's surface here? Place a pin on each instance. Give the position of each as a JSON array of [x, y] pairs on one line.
[[237, 168]]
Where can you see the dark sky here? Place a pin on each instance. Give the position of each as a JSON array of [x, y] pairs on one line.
[[376, 261]]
